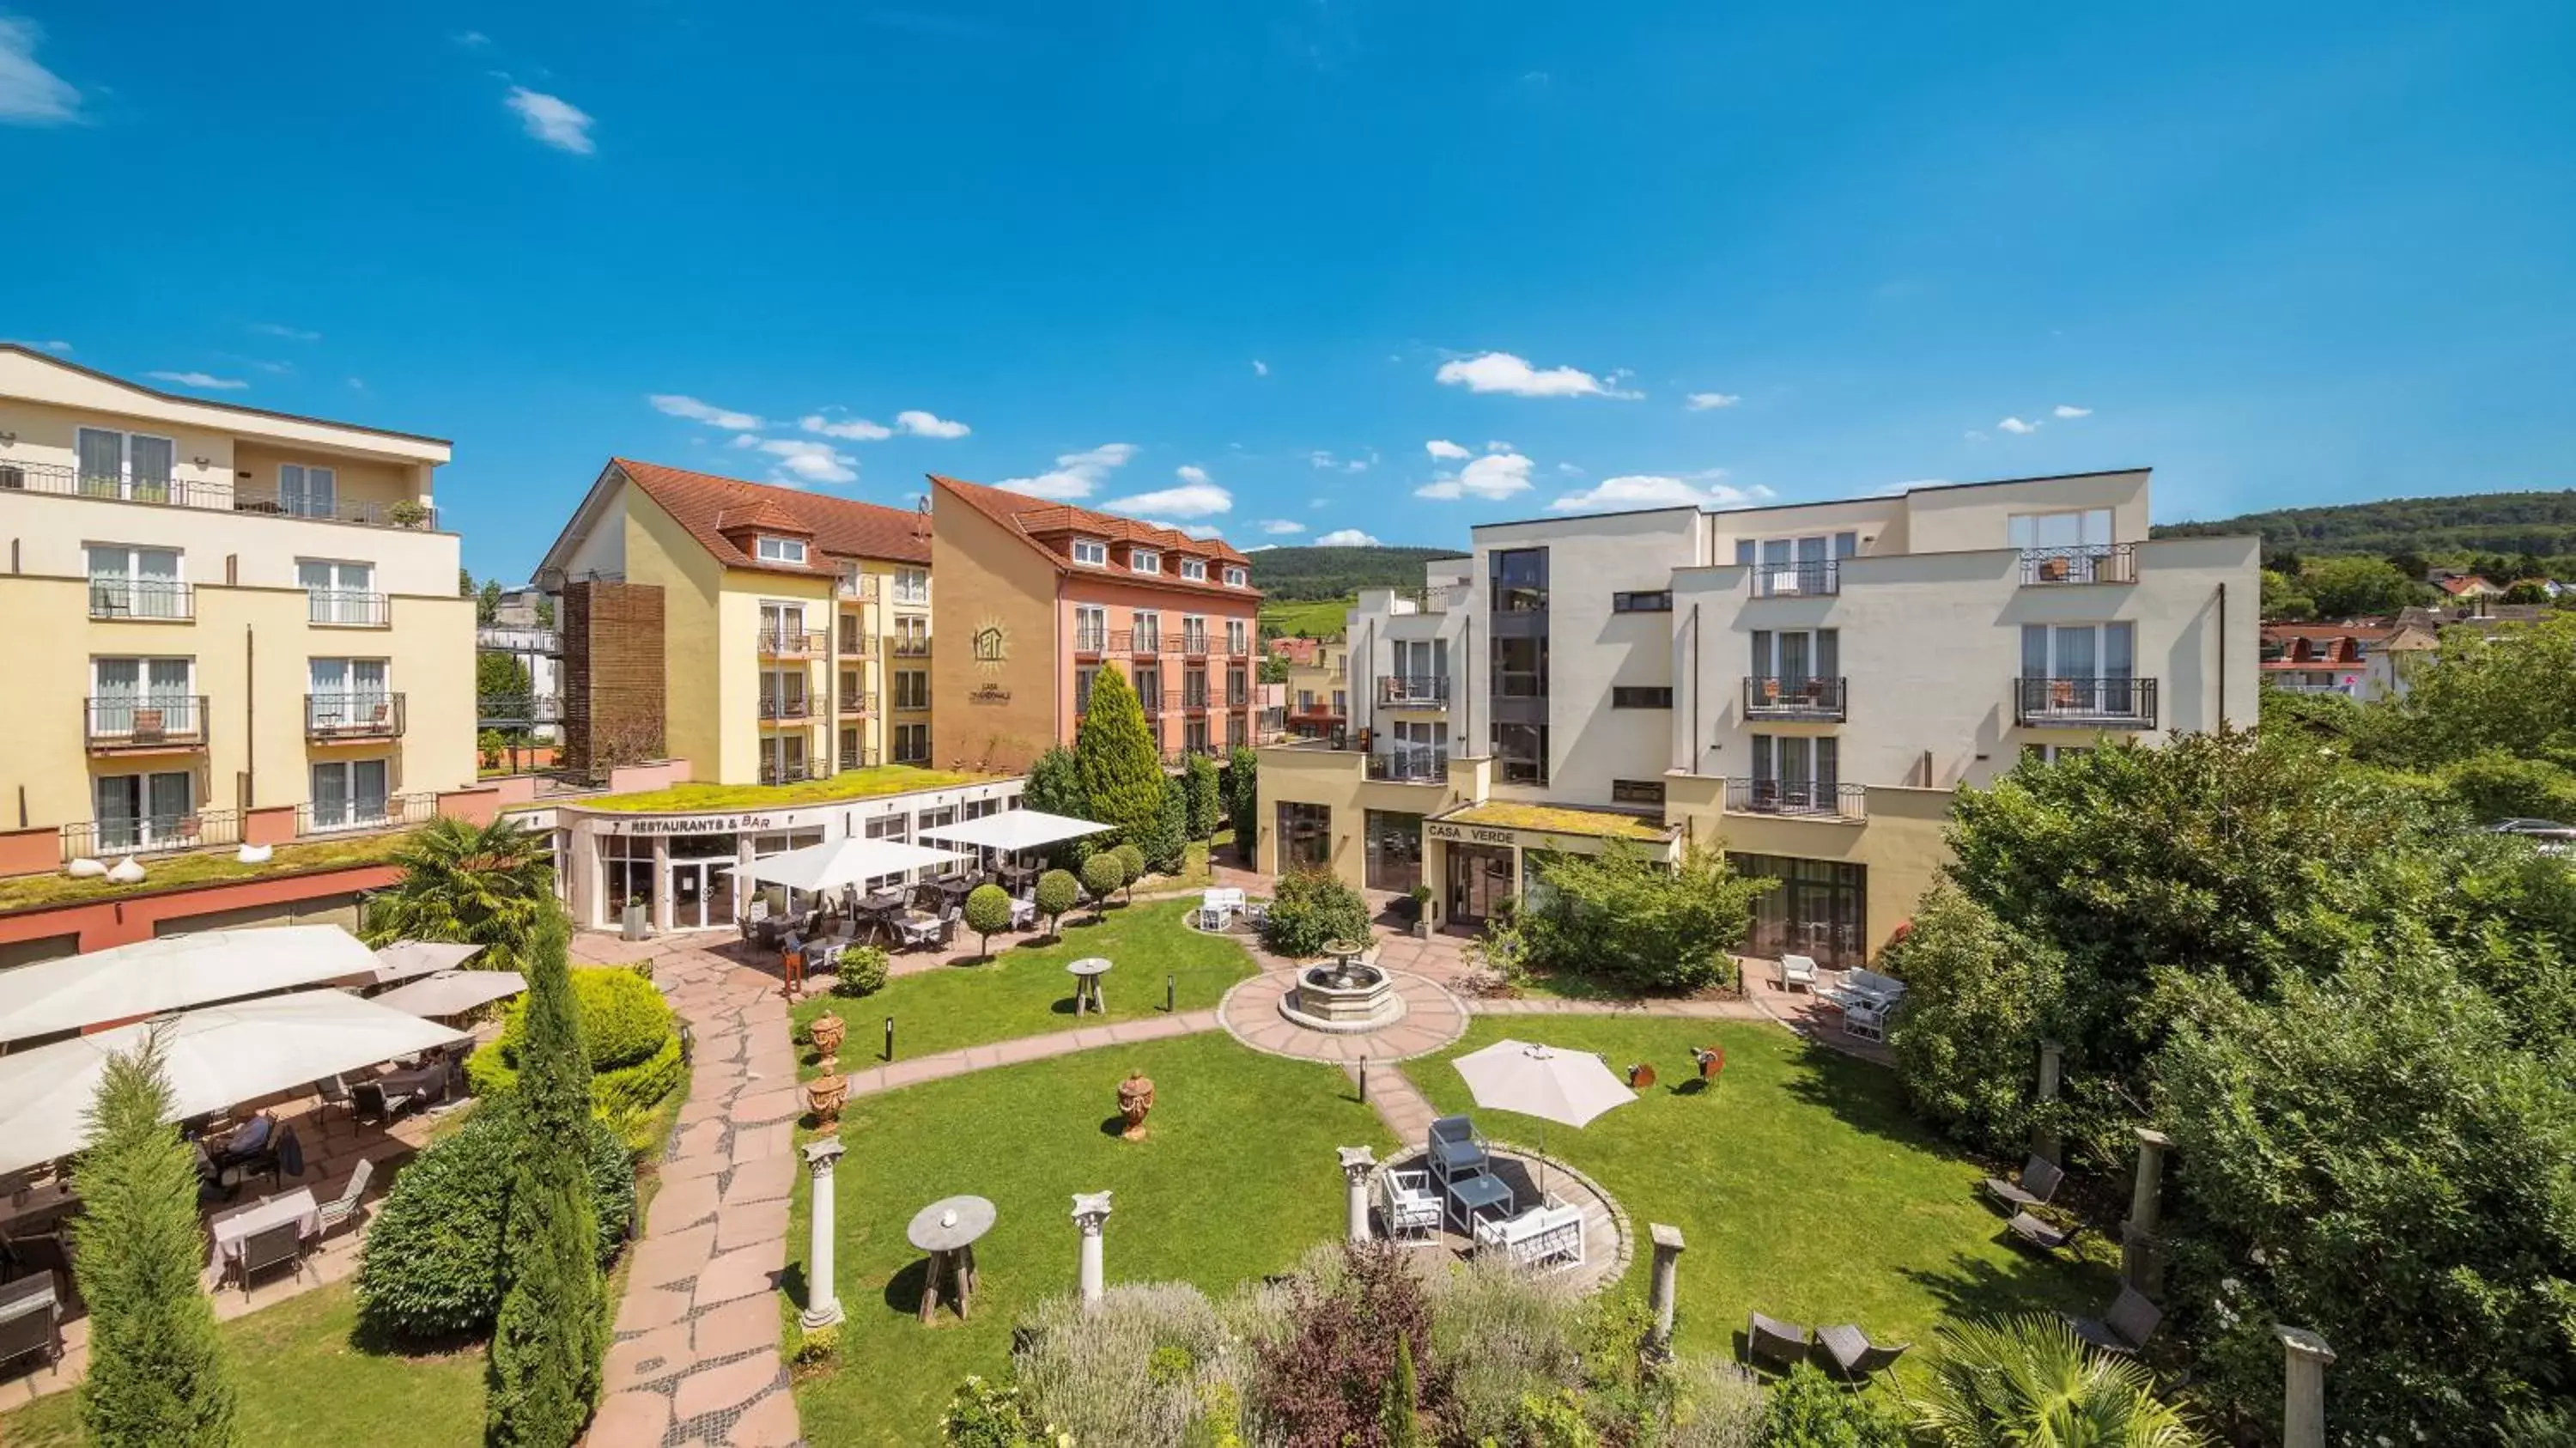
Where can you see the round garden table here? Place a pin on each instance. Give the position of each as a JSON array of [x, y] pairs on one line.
[[1086, 974], [947, 1230]]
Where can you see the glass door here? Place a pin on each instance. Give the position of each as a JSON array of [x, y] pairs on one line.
[[1480, 880]]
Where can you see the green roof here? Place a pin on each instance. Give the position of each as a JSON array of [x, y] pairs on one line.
[[1555, 819], [849, 784], [204, 867]]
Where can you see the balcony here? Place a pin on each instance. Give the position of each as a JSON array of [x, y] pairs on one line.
[[2085, 703], [1806, 798], [1194, 703], [912, 703], [1090, 640], [1413, 691], [502, 710], [347, 608], [785, 708], [854, 757], [792, 771], [151, 834], [1237, 648], [2085, 563], [858, 587], [331, 816], [1797, 580], [789, 644], [1194, 646], [1820, 700], [143, 600], [152, 724], [857, 646], [1410, 766], [858, 704], [63, 480], [338, 717], [1447, 598], [912, 648]]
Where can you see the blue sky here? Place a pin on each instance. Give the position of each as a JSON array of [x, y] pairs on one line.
[[1387, 268]]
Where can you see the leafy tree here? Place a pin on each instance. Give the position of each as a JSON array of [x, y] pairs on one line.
[[1103, 875], [1980, 996], [552, 1329], [1243, 801], [2512, 688], [545, 611], [1203, 809], [2527, 590], [158, 1373], [988, 913], [1274, 668], [1057, 891], [2414, 565], [1310, 909], [492, 885], [1115, 759], [487, 602], [1809, 1410], [1055, 786], [2284, 600], [2030, 1380], [1620, 917], [2494, 785], [1403, 1400], [501, 676], [464, 583], [2356, 587], [1166, 843], [1131, 865]]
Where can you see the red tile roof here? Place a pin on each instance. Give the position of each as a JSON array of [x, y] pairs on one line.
[[1041, 522], [710, 507]]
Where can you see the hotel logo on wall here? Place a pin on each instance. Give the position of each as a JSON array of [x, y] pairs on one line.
[[992, 649]]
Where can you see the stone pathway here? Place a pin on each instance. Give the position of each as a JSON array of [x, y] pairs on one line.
[[696, 1359], [1432, 1019], [1399, 1103]]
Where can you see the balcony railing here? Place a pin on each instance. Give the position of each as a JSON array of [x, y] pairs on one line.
[[860, 588], [1194, 703], [792, 771], [912, 648], [358, 715], [217, 496], [148, 722], [518, 708], [1090, 640], [858, 704], [1238, 647], [1157, 702], [1819, 699], [789, 644], [857, 646], [1411, 766], [1818, 798], [148, 599], [1797, 580], [1413, 690], [365, 812], [786, 707], [2084, 563], [2086, 703], [1447, 598], [854, 757], [347, 608], [1194, 645], [151, 834]]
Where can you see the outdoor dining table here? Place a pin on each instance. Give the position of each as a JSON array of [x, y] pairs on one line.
[[1481, 1193], [231, 1229], [419, 1082], [947, 1229], [1086, 974]]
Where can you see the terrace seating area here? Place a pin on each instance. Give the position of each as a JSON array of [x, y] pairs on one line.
[[1467, 1196]]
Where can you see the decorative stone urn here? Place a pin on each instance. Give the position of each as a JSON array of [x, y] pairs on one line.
[[825, 1094], [1135, 1099], [826, 1032]]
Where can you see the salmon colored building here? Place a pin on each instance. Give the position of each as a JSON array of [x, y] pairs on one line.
[[1044, 596]]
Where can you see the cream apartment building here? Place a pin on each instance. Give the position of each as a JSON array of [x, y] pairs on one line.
[[211, 609], [1803, 686]]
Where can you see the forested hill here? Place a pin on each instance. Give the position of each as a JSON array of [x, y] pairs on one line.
[[1295, 573], [2540, 524]]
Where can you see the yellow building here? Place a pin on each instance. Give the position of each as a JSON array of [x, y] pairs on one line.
[[212, 609], [1318, 685], [762, 633]]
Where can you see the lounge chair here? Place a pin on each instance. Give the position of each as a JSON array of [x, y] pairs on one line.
[[31, 1314], [1409, 1207], [266, 1248], [374, 1102], [1868, 1023], [1854, 1355], [2030, 1229], [2039, 1182], [1797, 972], [1456, 1150], [2124, 1329], [1783, 1345], [343, 1209]]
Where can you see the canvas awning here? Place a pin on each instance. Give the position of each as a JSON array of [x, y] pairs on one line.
[[215, 1057], [453, 993], [151, 977], [1014, 829], [845, 861], [405, 959]]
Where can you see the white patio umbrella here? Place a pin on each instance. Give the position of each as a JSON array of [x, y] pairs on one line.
[[845, 861], [405, 959], [214, 1057], [452, 992], [150, 977], [1014, 829], [1568, 1087]]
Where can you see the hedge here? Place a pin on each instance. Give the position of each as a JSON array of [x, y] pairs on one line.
[[625, 1024]]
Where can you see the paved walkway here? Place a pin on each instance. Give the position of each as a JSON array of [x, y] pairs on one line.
[[696, 1359], [1432, 1019]]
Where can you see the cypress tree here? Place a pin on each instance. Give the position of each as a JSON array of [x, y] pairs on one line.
[[553, 1327], [1122, 774], [1243, 801], [158, 1374], [1207, 810], [1055, 785]]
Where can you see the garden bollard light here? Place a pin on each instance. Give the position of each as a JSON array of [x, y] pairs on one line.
[[889, 1038], [1169, 993]]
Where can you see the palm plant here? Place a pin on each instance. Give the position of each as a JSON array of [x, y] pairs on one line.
[[490, 885], [2029, 1382]]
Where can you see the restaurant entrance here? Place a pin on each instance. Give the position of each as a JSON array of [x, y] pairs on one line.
[[702, 882], [1480, 880]]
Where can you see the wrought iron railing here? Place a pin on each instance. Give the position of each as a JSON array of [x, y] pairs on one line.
[[1412, 689], [858, 703], [789, 643], [2122, 703], [215, 495], [786, 706], [364, 812], [519, 708], [142, 598], [1823, 798], [854, 757], [151, 834], [1410, 766], [906, 647], [1770, 698], [1797, 580], [1090, 640], [791, 771], [354, 714], [2082, 563], [347, 608], [145, 721]]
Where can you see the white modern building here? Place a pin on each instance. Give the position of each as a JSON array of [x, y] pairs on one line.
[[1801, 685]]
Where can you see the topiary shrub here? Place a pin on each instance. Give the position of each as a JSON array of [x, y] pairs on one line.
[[1311, 909], [625, 1022], [1102, 876], [430, 1266], [862, 971], [988, 913], [1057, 892], [1131, 863]]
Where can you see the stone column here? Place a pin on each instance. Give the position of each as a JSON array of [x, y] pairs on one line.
[[2303, 1402], [1357, 1163], [822, 1301], [1090, 1214], [1660, 1292], [2044, 1141], [2141, 1251]]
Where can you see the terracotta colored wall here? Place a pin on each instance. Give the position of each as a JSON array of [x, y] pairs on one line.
[[127, 919], [31, 852]]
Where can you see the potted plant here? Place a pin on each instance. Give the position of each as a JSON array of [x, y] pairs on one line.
[[408, 513], [630, 918], [1421, 897]]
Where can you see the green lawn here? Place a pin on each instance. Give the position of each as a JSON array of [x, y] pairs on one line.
[[1801, 1186], [1236, 1181], [1025, 991]]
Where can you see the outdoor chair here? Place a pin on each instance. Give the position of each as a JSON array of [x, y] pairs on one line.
[[2030, 1229], [1024, 914], [31, 1314], [2124, 1329], [1411, 1209], [334, 1091], [1456, 1150], [1537, 1235], [270, 1246], [1797, 972], [343, 1209], [375, 1103], [1218, 907], [1782, 1345], [40, 1255], [1854, 1355], [2039, 1181], [1868, 1023]]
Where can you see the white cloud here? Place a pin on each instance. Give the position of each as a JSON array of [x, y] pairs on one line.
[[552, 119], [929, 424], [1190, 473], [855, 429], [1495, 475], [1975, 436], [805, 462], [1503, 372], [291, 334], [678, 404], [1441, 447], [473, 37], [1197, 498], [357, 384], [1346, 538], [1260, 368], [31, 95], [1659, 490], [1493, 447], [1709, 401], [1325, 461], [200, 379], [2069, 410], [1200, 531], [1075, 474], [2016, 426], [1569, 469], [1282, 526]]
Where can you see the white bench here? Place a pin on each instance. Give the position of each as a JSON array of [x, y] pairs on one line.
[[1216, 907], [1408, 1205], [1538, 1235]]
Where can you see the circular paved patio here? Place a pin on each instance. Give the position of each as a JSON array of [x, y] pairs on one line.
[[1432, 1019]]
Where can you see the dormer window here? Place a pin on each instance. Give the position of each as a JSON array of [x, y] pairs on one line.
[[781, 550], [1194, 569], [1236, 578], [1144, 560], [1091, 551]]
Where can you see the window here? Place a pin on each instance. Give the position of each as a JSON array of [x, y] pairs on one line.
[[136, 583], [340, 593], [1637, 791], [1082, 678], [1238, 687], [782, 758], [347, 694], [1234, 735], [140, 811], [780, 550], [1090, 628], [912, 585], [130, 696], [1654, 601], [911, 635], [1794, 774], [1797, 655], [1194, 735], [1520, 751], [782, 694], [1144, 560], [1194, 634], [1194, 569], [1520, 668], [1305, 835], [1236, 578], [1148, 627], [1091, 551], [124, 464], [1148, 681], [1238, 636], [307, 491], [912, 744], [846, 575], [349, 793], [2073, 528], [1520, 580], [2078, 651], [1194, 694], [1820, 908], [1641, 696], [1811, 563], [912, 689]]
